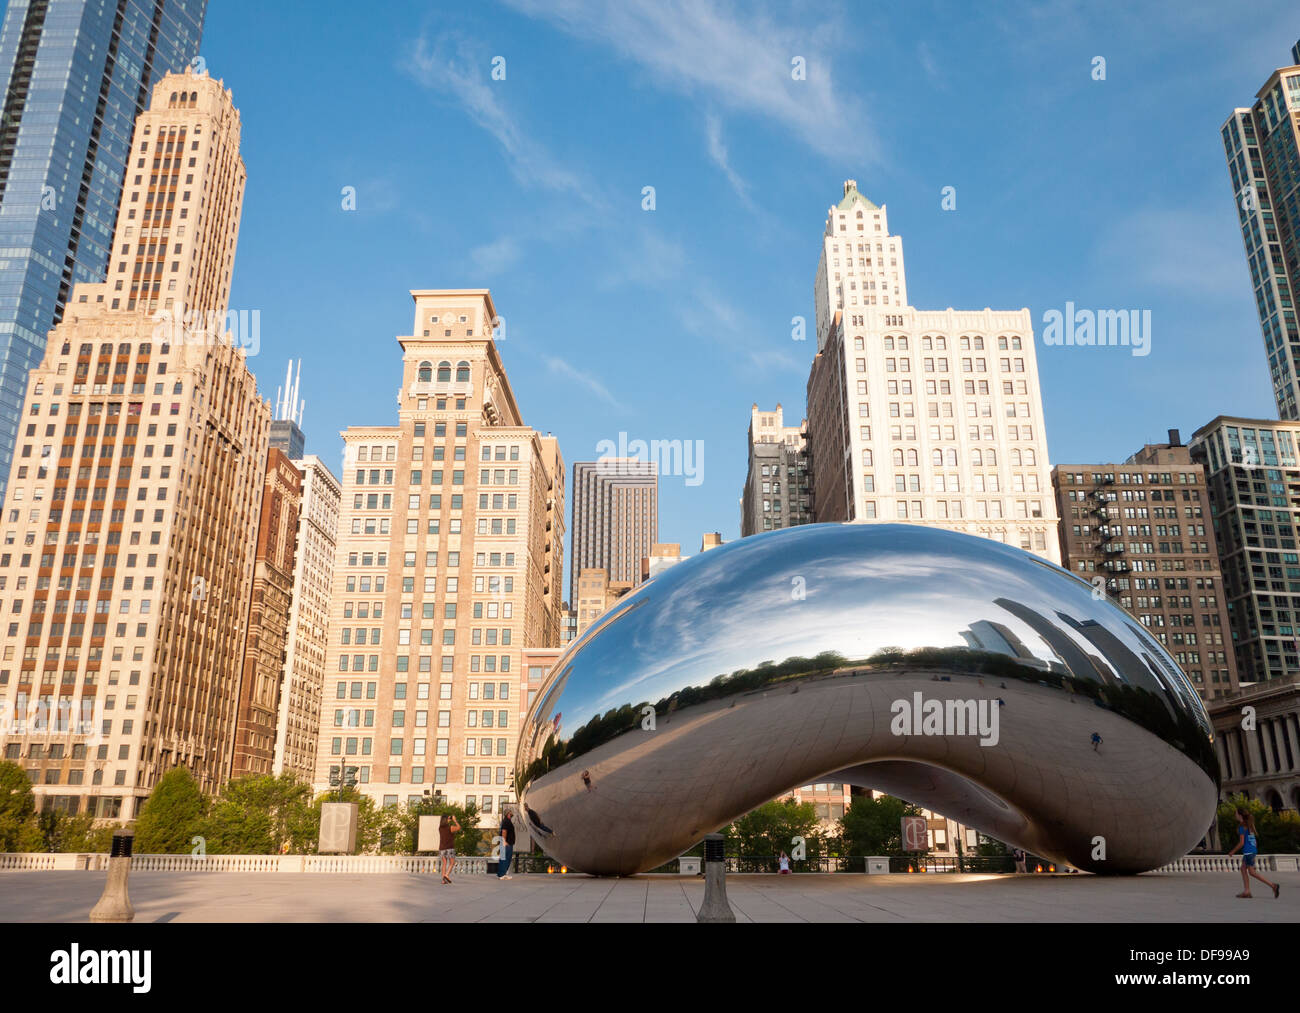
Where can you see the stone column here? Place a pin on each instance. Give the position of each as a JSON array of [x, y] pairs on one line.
[[1255, 761]]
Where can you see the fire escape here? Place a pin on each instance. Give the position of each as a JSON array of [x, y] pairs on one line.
[[1110, 544]]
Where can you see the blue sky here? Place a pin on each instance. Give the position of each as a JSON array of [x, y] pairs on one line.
[[670, 324]]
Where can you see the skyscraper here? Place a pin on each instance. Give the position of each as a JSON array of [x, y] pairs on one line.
[[268, 617], [286, 426], [1253, 469], [778, 489], [449, 562], [74, 74], [923, 417], [1261, 144], [297, 727], [615, 518], [1143, 530], [131, 515]]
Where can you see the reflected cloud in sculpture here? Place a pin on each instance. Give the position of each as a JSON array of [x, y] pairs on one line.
[[774, 661]]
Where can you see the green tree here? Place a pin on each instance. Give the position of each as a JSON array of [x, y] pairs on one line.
[[772, 828], [257, 815], [18, 826], [1276, 833], [171, 816], [371, 821], [79, 833], [873, 826], [404, 824]]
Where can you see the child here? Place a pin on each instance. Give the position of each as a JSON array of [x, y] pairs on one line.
[[1246, 840]]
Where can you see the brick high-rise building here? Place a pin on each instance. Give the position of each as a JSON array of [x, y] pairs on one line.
[[1262, 145], [778, 488], [615, 518], [1254, 482], [74, 75], [449, 562], [303, 678], [268, 617], [932, 418], [1143, 531], [130, 519]]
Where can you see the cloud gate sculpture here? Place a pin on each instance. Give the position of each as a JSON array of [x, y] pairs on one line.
[[952, 671]]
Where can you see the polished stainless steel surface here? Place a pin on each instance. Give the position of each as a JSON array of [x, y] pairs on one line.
[[1045, 716]]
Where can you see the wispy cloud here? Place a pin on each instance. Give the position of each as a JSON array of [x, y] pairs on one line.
[[709, 315], [718, 154], [585, 380], [653, 261], [931, 66], [739, 59], [646, 258], [459, 71], [1197, 252], [493, 258]]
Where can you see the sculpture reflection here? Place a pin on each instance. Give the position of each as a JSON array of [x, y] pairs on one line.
[[675, 708]]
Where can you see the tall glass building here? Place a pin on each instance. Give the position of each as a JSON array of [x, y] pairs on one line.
[[1262, 144], [74, 75]]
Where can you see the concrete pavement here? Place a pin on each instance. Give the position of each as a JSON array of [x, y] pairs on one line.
[[846, 897]]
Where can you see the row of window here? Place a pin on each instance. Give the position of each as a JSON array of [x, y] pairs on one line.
[[370, 663]]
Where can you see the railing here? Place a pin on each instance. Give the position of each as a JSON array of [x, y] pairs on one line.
[[1231, 863], [428, 865], [477, 865]]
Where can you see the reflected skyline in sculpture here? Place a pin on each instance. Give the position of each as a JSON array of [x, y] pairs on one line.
[[676, 704]]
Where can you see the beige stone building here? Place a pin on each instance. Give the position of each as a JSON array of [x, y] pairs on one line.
[[596, 595], [303, 674], [130, 518], [916, 416], [662, 556], [449, 562]]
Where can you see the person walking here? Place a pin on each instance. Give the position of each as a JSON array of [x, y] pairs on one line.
[[448, 828], [507, 845], [1248, 842]]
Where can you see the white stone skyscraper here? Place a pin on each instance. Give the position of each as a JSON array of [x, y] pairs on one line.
[[919, 416]]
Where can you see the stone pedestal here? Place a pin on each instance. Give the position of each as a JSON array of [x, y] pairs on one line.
[[115, 904], [715, 907]]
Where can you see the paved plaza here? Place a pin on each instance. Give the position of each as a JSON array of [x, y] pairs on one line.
[[406, 897]]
